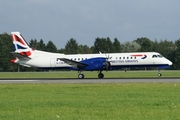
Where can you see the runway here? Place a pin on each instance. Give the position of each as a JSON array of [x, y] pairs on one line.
[[12, 81]]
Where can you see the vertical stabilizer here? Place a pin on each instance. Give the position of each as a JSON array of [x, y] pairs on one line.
[[20, 45]]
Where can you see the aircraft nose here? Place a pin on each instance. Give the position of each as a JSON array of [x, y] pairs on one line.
[[170, 63]]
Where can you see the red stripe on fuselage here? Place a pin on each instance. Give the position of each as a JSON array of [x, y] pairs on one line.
[[137, 55]]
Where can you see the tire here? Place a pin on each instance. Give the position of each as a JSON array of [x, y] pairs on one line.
[[81, 76], [159, 74], [100, 75]]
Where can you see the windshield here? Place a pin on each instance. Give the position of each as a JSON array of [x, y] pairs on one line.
[[160, 56]]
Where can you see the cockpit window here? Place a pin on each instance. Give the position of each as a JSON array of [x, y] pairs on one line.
[[157, 56], [160, 56]]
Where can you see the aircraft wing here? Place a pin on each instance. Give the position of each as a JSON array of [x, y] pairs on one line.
[[20, 56], [74, 63]]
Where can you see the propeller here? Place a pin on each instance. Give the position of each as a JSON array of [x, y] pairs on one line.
[[107, 63]]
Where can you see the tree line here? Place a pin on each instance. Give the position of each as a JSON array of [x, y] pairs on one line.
[[169, 49]]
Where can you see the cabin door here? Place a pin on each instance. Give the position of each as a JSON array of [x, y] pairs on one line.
[[52, 62]]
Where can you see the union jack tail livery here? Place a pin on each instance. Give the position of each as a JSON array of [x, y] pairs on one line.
[[22, 51], [20, 45]]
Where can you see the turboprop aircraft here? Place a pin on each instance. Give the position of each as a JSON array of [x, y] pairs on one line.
[[29, 57]]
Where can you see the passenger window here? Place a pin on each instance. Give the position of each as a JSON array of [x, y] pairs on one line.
[[119, 57], [154, 56], [127, 57], [123, 57]]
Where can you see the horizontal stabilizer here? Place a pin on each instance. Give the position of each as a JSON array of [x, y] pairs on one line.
[[25, 65], [20, 56]]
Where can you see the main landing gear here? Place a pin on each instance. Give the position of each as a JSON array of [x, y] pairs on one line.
[[81, 75], [100, 75]]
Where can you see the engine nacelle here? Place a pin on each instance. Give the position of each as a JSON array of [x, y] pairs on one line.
[[94, 63]]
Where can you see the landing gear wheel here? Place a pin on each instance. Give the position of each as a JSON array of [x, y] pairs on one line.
[[81, 76], [159, 74], [100, 75]]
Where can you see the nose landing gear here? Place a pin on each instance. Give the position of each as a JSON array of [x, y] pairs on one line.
[[159, 73]]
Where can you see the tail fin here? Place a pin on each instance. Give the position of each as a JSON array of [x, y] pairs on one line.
[[20, 45]]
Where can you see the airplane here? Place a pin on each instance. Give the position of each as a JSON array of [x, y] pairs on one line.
[[29, 57]]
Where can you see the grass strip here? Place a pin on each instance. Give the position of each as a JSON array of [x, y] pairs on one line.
[[155, 101]]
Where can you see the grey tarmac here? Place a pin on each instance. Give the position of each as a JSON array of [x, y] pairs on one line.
[[108, 80]]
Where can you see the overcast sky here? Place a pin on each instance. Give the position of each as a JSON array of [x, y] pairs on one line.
[[85, 20]]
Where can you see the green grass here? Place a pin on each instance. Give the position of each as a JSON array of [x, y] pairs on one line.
[[122, 101], [109, 74]]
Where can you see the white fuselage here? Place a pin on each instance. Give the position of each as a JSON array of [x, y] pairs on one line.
[[41, 59]]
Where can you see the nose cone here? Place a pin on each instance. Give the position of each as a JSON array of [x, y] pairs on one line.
[[169, 63]]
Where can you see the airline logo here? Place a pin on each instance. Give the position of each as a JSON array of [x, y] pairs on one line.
[[20, 45], [143, 56]]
